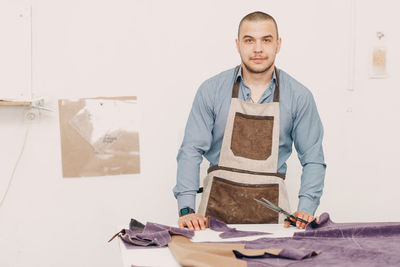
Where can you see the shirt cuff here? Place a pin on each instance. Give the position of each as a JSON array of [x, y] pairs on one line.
[[187, 200], [307, 205]]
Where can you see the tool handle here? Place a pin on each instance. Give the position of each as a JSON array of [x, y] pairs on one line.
[[300, 220], [291, 222], [295, 220]]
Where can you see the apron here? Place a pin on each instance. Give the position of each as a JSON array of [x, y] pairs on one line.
[[247, 167]]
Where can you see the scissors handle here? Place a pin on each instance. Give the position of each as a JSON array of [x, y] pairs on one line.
[[301, 220], [296, 219], [290, 221]]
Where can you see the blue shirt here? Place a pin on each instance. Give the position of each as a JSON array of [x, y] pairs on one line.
[[299, 124]]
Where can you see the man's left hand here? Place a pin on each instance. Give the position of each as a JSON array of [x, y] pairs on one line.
[[301, 215]]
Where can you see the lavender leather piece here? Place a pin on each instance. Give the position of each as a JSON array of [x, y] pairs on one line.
[[151, 234], [326, 228], [228, 232], [217, 225], [341, 244], [337, 244]]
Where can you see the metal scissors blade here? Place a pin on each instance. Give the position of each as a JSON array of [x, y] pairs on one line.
[[278, 208], [266, 205], [272, 206]]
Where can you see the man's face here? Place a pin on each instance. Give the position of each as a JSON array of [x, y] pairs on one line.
[[258, 45]]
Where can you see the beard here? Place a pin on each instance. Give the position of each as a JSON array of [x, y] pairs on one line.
[[251, 70]]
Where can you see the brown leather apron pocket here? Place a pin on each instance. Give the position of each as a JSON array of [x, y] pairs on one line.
[[252, 136], [233, 202]]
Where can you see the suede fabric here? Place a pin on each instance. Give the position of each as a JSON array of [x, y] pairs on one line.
[[322, 244], [157, 235], [340, 244], [151, 234], [327, 228]]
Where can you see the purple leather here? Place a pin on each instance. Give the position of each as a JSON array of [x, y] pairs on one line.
[[327, 228], [340, 244], [158, 235], [336, 244], [151, 234], [228, 232]]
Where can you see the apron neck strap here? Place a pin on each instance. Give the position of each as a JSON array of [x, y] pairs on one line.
[[235, 89], [276, 92]]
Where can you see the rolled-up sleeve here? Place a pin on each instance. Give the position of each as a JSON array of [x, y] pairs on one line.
[[307, 136], [197, 140]]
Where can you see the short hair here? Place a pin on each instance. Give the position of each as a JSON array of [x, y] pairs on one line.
[[257, 16]]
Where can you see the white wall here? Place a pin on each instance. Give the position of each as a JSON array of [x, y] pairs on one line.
[[15, 49], [161, 51]]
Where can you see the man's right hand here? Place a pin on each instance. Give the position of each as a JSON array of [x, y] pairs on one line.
[[193, 221]]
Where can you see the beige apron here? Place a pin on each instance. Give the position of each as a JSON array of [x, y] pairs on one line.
[[247, 166]]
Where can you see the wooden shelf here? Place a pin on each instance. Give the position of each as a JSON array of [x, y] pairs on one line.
[[15, 103]]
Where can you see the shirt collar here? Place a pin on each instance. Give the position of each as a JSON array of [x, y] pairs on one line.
[[239, 74]]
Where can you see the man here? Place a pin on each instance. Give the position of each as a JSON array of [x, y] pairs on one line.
[[244, 121]]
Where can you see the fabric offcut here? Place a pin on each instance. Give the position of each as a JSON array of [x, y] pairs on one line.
[[151, 234], [341, 244], [158, 235], [228, 232]]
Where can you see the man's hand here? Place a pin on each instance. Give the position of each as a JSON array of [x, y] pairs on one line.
[[193, 221], [301, 215]]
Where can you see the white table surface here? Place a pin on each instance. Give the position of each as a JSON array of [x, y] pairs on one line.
[[163, 257]]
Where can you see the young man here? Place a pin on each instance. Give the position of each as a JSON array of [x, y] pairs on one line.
[[244, 121]]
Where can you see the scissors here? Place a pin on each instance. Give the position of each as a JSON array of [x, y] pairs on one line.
[[272, 206]]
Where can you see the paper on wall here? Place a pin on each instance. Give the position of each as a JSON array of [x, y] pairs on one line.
[[102, 122], [99, 136]]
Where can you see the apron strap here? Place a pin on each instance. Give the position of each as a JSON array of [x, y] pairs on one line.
[[276, 92], [235, 89], [217, 167]]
